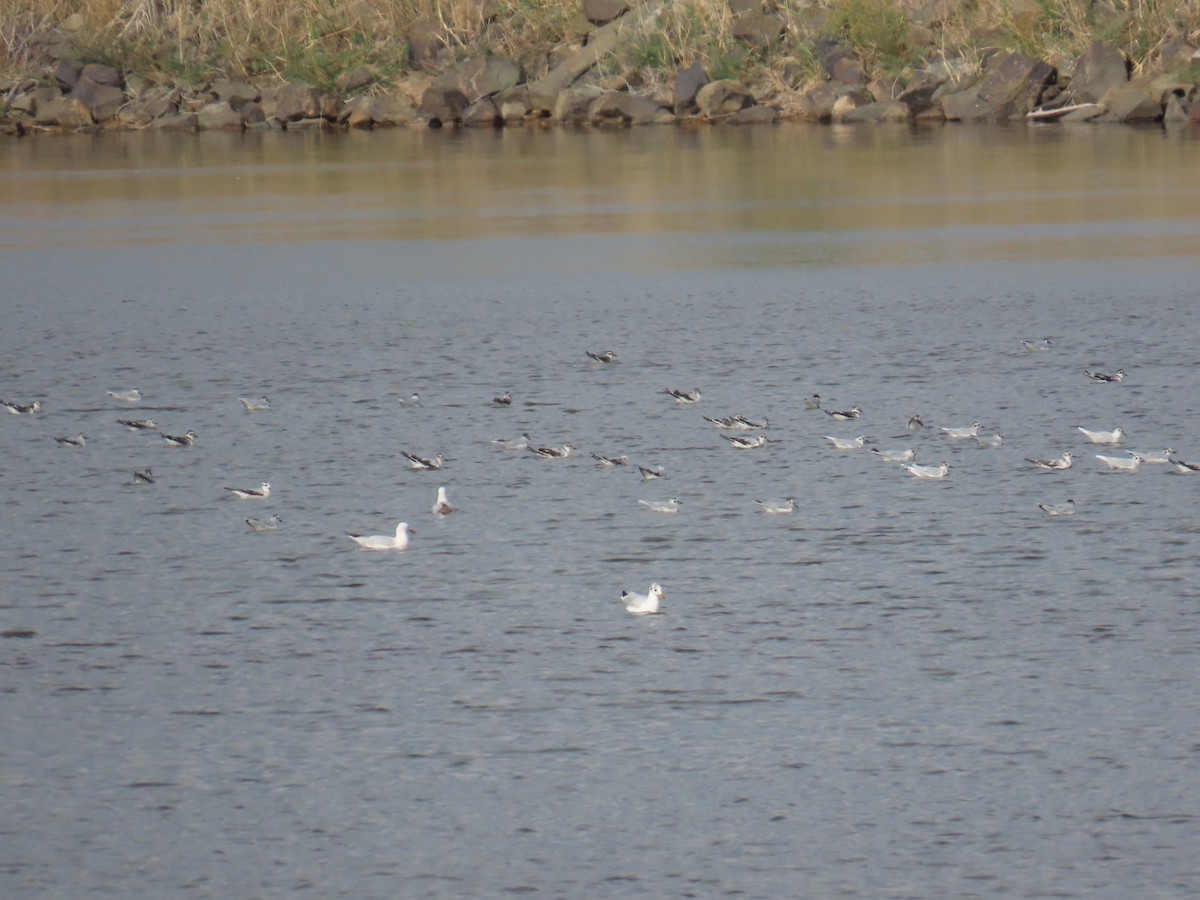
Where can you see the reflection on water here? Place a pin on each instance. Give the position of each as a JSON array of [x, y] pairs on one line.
[[719, 196]]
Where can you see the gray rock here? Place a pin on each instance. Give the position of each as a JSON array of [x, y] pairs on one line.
[[293, 102], [848, 102], [842, 64], [66, 73], [393, 109], [965, 106], [723, 98], [573, 104], [1101, 68], [428, 46], [102, 101], [1132, 102], [1013, 84], [217, 116], [687, 84], [354, 79], [357, 112], [177, 122], [105, 75], [234, 92], [1193, 112], [879, 111], [74, 113], [919, 98], [601, 12], [754, 115], [481, 76], [443, 105], [48, 110], [252, 113], [483, 113]]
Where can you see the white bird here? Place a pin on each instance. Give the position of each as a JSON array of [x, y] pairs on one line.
[[1105, 378], [130, 396], [1062, 462], [643, 604], [915, 422], [252, 404], [742, 443], [994, 441], [258, 493], [383, 541], [649, 474], [553, 452], [517, 443], [683, 397], [897, 456], [80, 440], [967, 432], [1185, 468], [662, 506], [410, 402], [777, 507], [1036, 346], [602, 356], [138, 424], [179, 440], [939, 471], [1121, 463], [747, 424], [610, 460], [441, 506], [268, 525], [22, 409], [846, 443], [504, 399], [1058, 509], [1102, 437], [1154, 457], [843, 415], [143, 476], [420, 462], [813, 402]]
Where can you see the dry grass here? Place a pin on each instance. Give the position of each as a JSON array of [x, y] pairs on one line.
[[316, 40]]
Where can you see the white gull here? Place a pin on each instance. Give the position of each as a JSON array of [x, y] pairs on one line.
[[383, 541], [643, 604]]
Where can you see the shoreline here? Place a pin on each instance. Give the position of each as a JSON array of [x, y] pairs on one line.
[[587, 82]]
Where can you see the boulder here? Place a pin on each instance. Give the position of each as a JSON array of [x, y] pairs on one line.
[[217, 116], [428, 45], [848, 102], [1131, 102], [354, 79], [919, 98], [573, 104], [1101, 68], [293, 102], [722, 98], [443, 105], [357, 113], [601, 12], [843, 64], [754, 115], [1013, 84], [235, 93], [66, 73], [879, 111], [1193, 113], [483, 112], [105, 75], [687, 84], [48, 109], [818, 103], [252, 113], [177, 122], [965, 106], [481, 76], [103, 101], [393, 109], [74, 113]]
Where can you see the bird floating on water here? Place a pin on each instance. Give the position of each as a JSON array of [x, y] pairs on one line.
[[384, 541], [553, 452], [603, 460], [938, 471], [143, 476], [777, 507], [662, 506], [132, 395], [517, 443], [1105, 378], [270, 524], [813, 402], [1102, 437], [844, 415], [1154, 457], [1062, 462], [441, 506], [421, 462], [79, 440], [745, 443], [410, 402], [994, 441], [915, 422], [138, 424], [179, 440], [1058, 509], [22, 409], [1037, 346], [503, 400], [855, 443], [895, 456], [651, 474], [602, 356], [683, 397], [643, 604], [253, 404], [1185, 468], [259, 493], [1121, 463], [968, 431]]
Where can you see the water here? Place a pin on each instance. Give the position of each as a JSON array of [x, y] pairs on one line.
[[903, 689]]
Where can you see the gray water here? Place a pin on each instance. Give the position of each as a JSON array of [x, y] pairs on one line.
[[905, 688]]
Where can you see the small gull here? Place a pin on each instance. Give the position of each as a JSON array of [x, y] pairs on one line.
[[662, 506], [410, 402], [553, 452], [252, 404], [1102, 437], [1121, 463], [179, 440], [1058, 509], [270, 524], [420, 462], [1185, 468], [259, 493], [843, 415], [22, 409], [895, 456], [138, 424], [1154, 457], [384, 541], [939, 471], [994, 441], [441, 506], [517, 443], [743, 443], [846, 443], [968, 431], [650, 474], [1036, 346], [602, 356], [915, 422], [1063, 462], [748, 424], [777, 507], [643, 604], [131, 396], [683, 397], [738, 423], [1104, 377], [80, 440], [610, 460], [813, 402], [143, 476], [504, 399]]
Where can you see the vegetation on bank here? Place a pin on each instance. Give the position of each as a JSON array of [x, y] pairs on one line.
[[316, 41]]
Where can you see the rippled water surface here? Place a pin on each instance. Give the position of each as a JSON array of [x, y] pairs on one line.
[[905, 688]]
